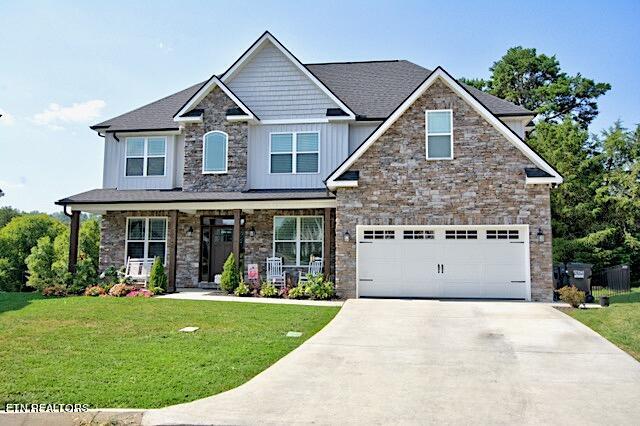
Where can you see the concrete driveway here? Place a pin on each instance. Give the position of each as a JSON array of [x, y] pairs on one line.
[[416, 361]]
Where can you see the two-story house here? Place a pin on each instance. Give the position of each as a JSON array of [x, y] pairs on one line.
[[405, 182]]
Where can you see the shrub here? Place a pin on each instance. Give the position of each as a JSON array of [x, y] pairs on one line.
[[298, 292], [572, 296], [242, 289], [318, 289], [230, 276], [157, 277], [95, 290], [120, 290], [140, 293], [55, 290], [268, 290]]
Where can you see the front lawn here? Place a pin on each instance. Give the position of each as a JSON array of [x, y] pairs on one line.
[[127, 352], [619, 323]]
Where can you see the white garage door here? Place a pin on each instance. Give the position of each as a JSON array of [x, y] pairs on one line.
[[443, 261]]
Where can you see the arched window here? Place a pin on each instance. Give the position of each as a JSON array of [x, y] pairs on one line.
[[214, 152]]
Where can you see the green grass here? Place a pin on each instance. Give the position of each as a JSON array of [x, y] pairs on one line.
[[127, 352], [619, 323]]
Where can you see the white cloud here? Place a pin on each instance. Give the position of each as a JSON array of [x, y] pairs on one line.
[[6, 119], [5, 184], [77, 113]]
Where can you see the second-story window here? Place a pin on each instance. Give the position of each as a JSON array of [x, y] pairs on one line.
[[294, 152], [215, 152], [145, 156]]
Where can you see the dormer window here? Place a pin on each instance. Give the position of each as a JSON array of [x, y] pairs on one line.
[[439, 134], [215, 152], [145, 156]]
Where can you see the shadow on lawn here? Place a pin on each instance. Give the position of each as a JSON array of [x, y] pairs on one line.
[[15, 301]]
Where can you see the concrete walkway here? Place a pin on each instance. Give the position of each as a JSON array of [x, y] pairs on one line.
[[431, 362], [211, 295]]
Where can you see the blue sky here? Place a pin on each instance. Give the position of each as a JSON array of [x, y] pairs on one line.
[[66, 65]]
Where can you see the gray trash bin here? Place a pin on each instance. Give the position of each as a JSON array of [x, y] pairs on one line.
[[580, 275]]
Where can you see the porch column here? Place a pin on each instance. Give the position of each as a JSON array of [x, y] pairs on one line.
[[173, 251], [236, 235], [326, 262], [73, 241]]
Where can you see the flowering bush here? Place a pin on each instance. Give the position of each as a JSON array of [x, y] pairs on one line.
[[120, 290], [55, 290], [95, 290], [140, 293], [297, 292], [242, 289]]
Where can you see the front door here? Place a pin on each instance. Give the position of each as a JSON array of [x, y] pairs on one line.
[[216, 245]]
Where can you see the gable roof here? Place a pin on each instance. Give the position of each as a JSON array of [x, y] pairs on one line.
[[369, 90], [184, 113], [267, 37], [373, 89], [334, 180]]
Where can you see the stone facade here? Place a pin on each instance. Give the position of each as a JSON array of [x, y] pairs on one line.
[[484, 184], [254, 250], [215, 106]]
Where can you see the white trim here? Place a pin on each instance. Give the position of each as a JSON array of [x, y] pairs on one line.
[[540, 181], [226, 152], [238, 118], [146, 133], [145, 156], [427, 134], [295, 121], [524, 227], [204, 91], [231, 72], [146, 239], [294, 151], [206, 205], [439, 73], [194, 119], [348, 183], [298, 240]]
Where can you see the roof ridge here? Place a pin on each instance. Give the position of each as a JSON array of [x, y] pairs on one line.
[[357, 62]]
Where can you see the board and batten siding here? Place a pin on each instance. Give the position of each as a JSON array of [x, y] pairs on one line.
[[359, 132], [274, 88], [334, 145], [114, 161]]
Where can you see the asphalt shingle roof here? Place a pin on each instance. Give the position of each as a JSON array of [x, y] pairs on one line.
[[106, 196], [371, 89]]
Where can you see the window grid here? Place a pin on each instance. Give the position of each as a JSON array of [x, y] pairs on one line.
[[503, 234], [461, 234], [294, 152], [298, 238], [429, 133], [146, 236], [145, 156], [418, 235], [379, 234]]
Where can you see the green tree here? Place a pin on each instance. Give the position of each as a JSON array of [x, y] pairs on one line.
[[158, 280], [16, 240], [39, 264], [537, 82], [6, 214]]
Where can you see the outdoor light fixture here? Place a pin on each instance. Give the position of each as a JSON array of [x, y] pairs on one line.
[[347, 236], [190, 231], [252, 232], [540, 235]]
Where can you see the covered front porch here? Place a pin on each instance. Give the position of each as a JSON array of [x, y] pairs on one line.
[[195, 235]]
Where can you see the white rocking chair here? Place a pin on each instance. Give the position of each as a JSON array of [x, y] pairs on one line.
[[138, 269], [275, 274], [315, 268]]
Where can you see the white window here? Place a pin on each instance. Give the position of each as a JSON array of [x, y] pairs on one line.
[[145, 156], [439, 131], [297, 238], [294, 152], [215, 152], [146, 238]]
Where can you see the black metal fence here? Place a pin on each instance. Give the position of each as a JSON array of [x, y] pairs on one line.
[[611, 281]]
